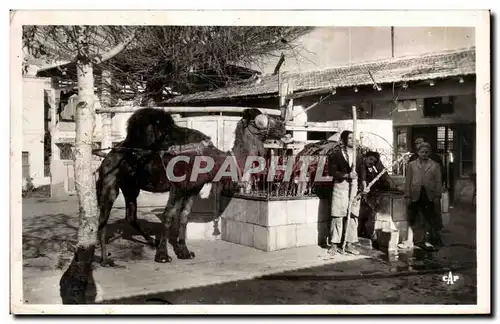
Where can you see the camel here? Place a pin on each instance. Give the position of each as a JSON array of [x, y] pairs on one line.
[[143, 162]]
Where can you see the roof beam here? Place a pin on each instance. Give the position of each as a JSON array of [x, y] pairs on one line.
[[311, 93], [209, 109]]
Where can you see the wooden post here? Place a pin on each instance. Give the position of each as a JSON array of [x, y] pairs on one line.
[[55, 153], [289, 91], [282, 93], [352, 189]]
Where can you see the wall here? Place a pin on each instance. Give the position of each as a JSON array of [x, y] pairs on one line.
[[464, 112], [379, 105], [326, 47], [119, 124], [33, 125], [376, 105]]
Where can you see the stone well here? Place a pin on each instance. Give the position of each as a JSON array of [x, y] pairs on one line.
[[275, 223], [392, 213]]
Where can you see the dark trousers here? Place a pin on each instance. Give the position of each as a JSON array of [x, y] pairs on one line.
[[366, 227], [430, 214]]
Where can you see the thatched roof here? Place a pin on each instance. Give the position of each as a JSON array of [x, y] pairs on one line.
[[429, 66]]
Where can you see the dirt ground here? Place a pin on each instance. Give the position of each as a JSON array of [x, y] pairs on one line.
[[421, 289], [49, 233]]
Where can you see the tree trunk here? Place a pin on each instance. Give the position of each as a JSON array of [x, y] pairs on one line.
[[77, 280], [84, 179]]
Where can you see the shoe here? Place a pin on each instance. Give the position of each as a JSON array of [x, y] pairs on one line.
[[333, 250], [438, 242], [405, 245], [429, 247], [351, 249]]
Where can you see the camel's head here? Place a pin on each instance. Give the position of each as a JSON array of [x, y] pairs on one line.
[[262, 125]]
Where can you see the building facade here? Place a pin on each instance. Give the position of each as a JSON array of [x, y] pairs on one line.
[[36, 150], [420, 79]]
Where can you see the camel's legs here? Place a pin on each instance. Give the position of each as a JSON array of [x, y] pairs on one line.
[[173, 206], [130, 193], [180, 247], [174, 230], [107, 192]]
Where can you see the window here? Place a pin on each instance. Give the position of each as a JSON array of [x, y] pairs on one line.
[[467, 151], [401, 139], [441, 139], [407, 105], [444, 140], [435, 107], [66, 151], [66, 108], [401, 147], [47, 147], [445, 150], [450, 140]]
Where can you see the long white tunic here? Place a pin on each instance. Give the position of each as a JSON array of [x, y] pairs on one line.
[[340, 195]]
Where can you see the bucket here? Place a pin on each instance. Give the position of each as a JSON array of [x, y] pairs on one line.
[[445, 208], [445, 202], [388, 239]]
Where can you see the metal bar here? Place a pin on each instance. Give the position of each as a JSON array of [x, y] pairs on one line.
[[131, 109], [375, 84], [445, 157], [351, 186], [312, 128]]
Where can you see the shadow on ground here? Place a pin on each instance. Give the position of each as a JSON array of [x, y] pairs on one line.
[[413, 277], [40, 192], [50, 235], [329, 284]]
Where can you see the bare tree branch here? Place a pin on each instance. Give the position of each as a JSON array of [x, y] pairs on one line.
[[42, 37], [115, 50], [161, 61], [187, 59]]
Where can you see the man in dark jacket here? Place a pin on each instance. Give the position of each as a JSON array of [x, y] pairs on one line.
[[346, 184], [369, 204]]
